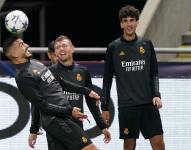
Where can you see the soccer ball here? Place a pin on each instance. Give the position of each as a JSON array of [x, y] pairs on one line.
[[16, 22]]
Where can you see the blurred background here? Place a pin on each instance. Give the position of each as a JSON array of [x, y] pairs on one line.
[[89, 23], [92, 24]]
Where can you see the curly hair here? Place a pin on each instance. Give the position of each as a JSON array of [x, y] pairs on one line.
[[128, 11]]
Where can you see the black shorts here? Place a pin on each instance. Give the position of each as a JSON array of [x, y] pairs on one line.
[[54, 144], [64, 134], [144, 118]]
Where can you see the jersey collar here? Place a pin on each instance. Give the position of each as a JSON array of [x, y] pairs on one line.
[[66, 67], [124, 40]]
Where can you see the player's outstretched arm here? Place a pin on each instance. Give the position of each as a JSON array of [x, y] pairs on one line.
[[72, 87]]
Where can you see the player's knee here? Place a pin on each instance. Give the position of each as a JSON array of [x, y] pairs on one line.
[[129, 144], [158, 144]]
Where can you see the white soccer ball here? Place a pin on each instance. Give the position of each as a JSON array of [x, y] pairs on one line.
[[16, 22]]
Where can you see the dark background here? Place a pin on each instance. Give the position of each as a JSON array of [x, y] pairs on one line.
[[89, 23]]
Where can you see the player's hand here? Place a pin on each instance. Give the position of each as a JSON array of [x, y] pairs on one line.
[[157, 102], [107, 135], [94, 95], [77, 114], [106, 116], [32, 140]]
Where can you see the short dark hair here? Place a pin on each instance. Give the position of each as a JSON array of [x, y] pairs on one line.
[[128, 11], [62, 37], [8, 43], [51, 47]]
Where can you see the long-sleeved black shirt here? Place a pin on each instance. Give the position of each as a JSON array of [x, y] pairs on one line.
[[135, 67], [79, 75], [36, 82]]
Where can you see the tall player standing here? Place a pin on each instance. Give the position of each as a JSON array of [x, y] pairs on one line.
[[133, 61]]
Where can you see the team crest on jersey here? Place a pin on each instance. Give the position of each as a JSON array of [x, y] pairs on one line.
[[126, 131], [84, 139], [122, 53], [141, 50], [78, 77], [36, 72]]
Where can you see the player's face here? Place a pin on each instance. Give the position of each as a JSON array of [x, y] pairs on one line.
[[19, 49], [64, 50], [129, 26], [52, 56]]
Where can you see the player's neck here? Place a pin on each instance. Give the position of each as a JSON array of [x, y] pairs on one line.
[[19, 60], [129, 37], [68, 62]]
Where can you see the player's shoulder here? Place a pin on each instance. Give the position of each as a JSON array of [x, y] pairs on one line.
[[36, 65], [36, 62], [143, 40], [114, 42], [33, 70], [52, 66], [112, 45]]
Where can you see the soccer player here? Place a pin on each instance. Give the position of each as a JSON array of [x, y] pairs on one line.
[[37, 84], [35, 119], [51, 55], [133, 61], [66, 68]]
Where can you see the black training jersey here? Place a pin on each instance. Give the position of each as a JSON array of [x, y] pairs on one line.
[[75, 74], [134, 65], [80, 75], [39, 86]]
